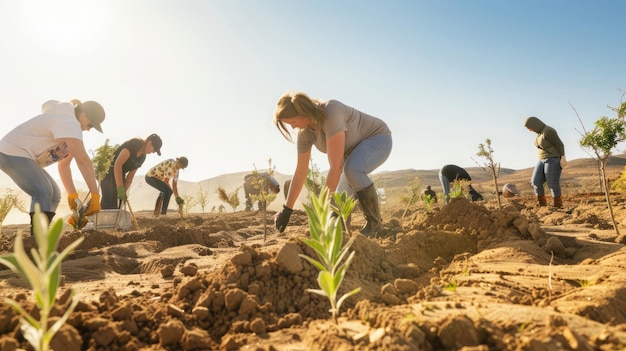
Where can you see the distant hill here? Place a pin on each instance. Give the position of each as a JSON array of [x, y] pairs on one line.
[[580, 175]]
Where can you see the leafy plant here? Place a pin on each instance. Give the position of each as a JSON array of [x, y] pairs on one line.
[[428, 202], [459, 188], [43, 274], [102, 158], [314, 181], [485, 151], [584, 283], [326, 240], [601, 140], [190, 202], [232, 199], [452, 285]]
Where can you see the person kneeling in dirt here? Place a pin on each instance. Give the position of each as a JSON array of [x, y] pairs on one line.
[[430, 192], [159, 178], [252, 185], [450, 173]]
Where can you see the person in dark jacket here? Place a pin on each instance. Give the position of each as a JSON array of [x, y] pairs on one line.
[[252, 185], [127, 159], [450, 173], [551, 155]]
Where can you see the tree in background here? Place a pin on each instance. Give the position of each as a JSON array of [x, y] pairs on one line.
[[489, 165], [601, 140], [203, 197], [9, 201], [232, 199]]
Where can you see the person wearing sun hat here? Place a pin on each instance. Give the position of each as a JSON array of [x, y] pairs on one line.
[[54, 136], [126, 160]]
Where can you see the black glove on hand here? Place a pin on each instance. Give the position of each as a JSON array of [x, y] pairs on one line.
[[282, 218]]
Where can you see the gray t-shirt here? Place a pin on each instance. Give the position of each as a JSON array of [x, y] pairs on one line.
[[340, 117]]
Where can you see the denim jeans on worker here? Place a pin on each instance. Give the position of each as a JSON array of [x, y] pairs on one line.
[[363, 160], [33, 180], [445, 185], [547, 171], [166, 191]]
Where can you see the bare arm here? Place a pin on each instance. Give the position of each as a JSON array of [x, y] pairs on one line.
[[174, 185], [123, 156], [299, 176], [336, 146], [129, 179], [77, 152]]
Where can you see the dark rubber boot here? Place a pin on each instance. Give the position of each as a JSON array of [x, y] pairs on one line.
[[368, 198], [558, 202]]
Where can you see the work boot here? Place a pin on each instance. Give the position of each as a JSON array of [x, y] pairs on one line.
[[50, 215], [157, 206], [542, 200], [558, 201], [368, 198]]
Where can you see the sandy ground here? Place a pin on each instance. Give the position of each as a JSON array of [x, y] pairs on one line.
[[467, 276]]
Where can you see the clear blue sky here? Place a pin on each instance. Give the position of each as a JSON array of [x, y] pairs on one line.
[[205, 75]]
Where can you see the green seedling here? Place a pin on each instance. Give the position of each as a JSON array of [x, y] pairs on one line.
[[428, 201], [327, 242], [43, 274], [584, 283], [452, 285]]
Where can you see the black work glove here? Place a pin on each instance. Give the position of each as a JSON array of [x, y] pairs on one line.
[[282, 218]]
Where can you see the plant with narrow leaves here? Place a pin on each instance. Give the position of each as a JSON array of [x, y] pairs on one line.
[[327, 242], [232, 199], [428, 202], [43, 274]]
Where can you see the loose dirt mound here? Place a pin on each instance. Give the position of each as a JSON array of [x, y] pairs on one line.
[[463, 275]]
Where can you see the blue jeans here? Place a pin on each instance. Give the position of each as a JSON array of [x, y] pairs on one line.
[[363, 160], [165, 191], [547, 171], [33, 180], [445, 184]]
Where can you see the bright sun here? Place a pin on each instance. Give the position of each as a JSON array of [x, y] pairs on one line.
[[62, 25]]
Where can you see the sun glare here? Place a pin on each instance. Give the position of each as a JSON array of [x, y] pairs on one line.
[[64, 25]]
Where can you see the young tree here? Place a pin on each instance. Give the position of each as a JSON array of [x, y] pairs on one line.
[[102, 158], [489, 165], [601, 140], [314, 182], [203, 197], [263, 197], [232, 199], [413, 194], [190, 202]]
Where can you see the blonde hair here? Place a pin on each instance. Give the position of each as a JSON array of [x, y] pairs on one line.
[[293, 104]]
